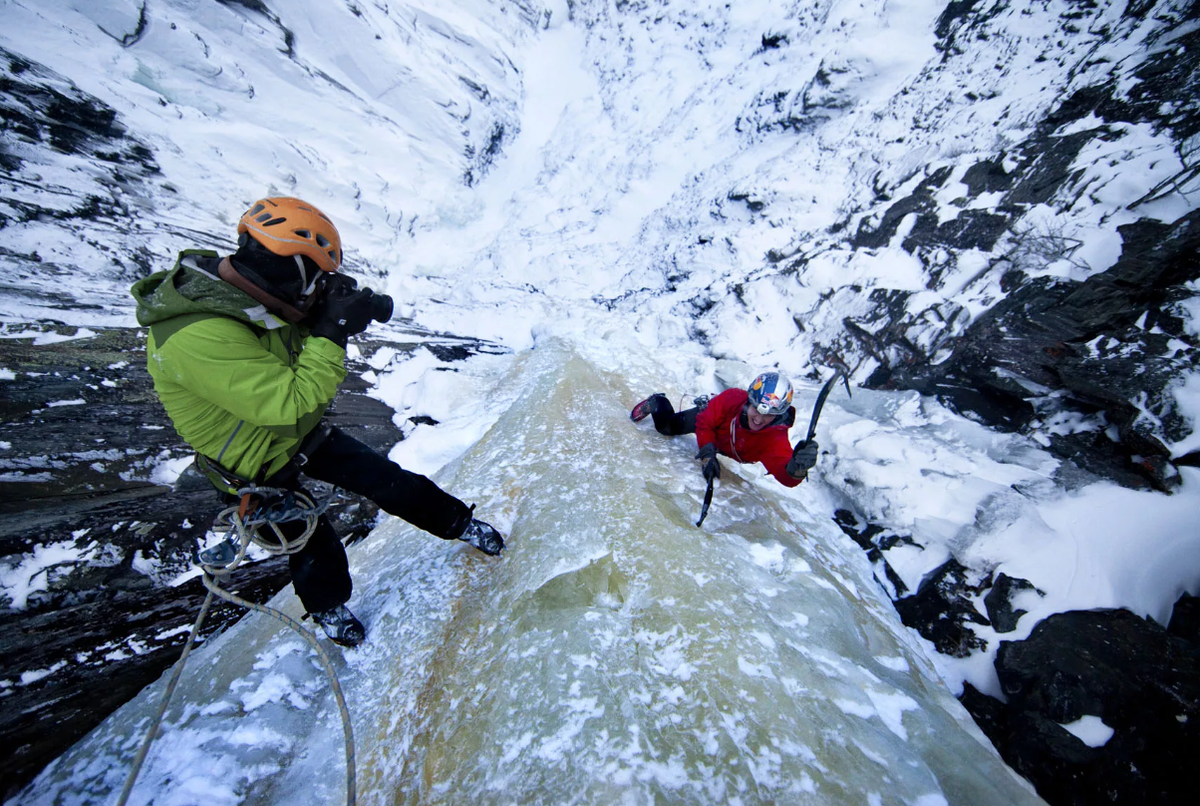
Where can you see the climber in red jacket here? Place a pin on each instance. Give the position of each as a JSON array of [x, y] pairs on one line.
[[748, 426]]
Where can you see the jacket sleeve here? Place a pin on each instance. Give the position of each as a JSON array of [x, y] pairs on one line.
[[709, 421], [777, 458], [220, 360]]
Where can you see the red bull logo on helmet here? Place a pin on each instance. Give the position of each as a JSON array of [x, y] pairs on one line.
[[770, 393]]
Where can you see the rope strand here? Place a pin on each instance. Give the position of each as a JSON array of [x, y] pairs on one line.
[[247, 531], [166, 700], [326, 663]]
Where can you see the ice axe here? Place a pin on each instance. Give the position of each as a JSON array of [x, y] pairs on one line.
[[838, 372], [707, 501]]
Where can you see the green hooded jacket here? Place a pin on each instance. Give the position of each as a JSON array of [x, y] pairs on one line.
[[241, 386]]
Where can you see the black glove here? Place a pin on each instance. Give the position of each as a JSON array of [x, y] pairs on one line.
[[343, 312], [803, 459], [712, 468]]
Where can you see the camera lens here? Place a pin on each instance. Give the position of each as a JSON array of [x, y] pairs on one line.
[[381, 307]]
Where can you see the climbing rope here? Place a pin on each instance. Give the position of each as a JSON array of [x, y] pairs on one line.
[[162, 706], [243, 523], [326, 663]]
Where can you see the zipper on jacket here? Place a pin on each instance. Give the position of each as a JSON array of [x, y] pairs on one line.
[[733, 438], [292, 354], [229, 441]]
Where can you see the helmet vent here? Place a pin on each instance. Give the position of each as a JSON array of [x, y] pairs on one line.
[[303, 233], [256, 209], [322, 241], [272, 222]]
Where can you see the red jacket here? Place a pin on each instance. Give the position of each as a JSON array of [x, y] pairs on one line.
[[721, 424]]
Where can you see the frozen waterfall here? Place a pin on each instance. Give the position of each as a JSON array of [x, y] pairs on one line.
[[616, 654]]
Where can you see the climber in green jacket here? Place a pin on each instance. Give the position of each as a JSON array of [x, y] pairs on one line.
[[247, 351]]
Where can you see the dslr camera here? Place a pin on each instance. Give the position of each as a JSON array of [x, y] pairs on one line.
[[336, 285]]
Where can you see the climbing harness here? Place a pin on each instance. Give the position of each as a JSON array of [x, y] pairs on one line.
[[243, 524], [258, 507]]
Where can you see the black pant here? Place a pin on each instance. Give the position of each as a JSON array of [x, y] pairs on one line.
[[320, 573], [669, 423]]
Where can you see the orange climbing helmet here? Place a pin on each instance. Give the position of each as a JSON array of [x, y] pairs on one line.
[[288, 226]]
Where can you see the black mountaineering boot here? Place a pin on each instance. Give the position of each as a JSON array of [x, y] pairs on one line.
[[483, 537], [479, 534], [341, 626]]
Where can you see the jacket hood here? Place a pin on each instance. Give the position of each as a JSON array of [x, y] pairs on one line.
[[193, 287]]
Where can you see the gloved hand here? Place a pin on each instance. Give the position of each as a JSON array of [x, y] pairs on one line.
[[712, 468], [804, 457], [343, 312]]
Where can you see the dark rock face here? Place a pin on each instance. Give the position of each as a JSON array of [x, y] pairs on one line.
[[1059, 765], [80, 432], [1185, 619], [998, 602], [1105, 351], [1140, 679], [1106, 342], [946, 603], [44, 118], [874, 540], [44, 109], [941, 610]]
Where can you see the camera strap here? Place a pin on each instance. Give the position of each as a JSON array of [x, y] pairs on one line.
[[274, 304]]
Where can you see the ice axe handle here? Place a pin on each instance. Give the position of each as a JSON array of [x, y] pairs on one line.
[[839, 373], [707, 500]]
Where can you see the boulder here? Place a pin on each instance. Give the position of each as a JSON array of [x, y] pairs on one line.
[[942, 609], [1138, 679]]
